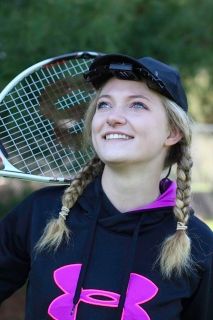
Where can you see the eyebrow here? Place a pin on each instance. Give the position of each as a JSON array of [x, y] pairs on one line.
[[129, 97], [138, 96]]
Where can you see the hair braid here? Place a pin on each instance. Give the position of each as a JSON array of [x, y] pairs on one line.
[[56, 230], [181, 210], [82, 179], [175, 253]]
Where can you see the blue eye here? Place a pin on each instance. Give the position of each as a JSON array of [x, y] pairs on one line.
[[138, 105], [103, 105]]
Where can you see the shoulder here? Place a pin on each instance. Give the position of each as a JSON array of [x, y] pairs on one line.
[[47, 195], [28, 218], [47, 192], [38, 202]]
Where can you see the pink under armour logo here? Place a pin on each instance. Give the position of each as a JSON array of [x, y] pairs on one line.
[[140, 290]]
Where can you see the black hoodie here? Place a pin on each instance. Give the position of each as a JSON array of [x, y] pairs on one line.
[[107, 271]]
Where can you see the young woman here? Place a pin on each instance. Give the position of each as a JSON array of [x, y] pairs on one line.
[[120, 242]]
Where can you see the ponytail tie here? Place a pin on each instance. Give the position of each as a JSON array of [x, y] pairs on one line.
[[64, 212], [181, 226]]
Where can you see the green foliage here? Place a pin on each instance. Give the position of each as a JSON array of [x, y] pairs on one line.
[[178, 32], [209, 223]]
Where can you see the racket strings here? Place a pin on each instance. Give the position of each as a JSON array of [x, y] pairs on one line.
[[44, 114]]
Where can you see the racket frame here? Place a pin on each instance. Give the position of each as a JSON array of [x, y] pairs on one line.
[[9, 171]]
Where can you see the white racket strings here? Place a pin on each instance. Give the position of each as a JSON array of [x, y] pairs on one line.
[[41, 119]]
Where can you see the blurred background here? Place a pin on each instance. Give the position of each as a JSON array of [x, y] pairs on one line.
[[178, 32]]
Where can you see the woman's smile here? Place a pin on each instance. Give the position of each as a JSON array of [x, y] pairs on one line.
[[117, 136]]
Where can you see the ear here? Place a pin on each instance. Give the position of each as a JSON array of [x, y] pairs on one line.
[[174, 137]]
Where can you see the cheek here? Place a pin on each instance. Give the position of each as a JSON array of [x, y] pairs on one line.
[[94, 123], [92, 132], [154, 132], [97, 124], [95, 128]]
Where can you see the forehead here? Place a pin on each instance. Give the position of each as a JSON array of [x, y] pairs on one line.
[[126, 87]]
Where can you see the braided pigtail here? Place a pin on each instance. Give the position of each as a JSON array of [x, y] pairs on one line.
[[56, 230], [175, 253]]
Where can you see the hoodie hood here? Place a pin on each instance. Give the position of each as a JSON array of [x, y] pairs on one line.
[[94, 192], [110, 217], [166, 198]]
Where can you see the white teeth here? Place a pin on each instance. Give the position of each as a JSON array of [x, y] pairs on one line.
[[117, 136]]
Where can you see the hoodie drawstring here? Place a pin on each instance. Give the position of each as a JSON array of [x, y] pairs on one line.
[[130, 262], [86, 258]]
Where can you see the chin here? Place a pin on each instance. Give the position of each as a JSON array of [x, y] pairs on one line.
[[115, 160]]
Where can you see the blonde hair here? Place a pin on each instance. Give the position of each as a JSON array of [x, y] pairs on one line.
[[175, 252]]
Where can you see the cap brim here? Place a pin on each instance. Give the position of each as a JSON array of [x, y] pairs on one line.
[[98, 72], [113, 58]]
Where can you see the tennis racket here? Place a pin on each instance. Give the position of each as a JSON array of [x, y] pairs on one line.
[[41, 120]]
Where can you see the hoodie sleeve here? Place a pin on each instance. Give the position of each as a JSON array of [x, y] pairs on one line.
[[19, 232], [200, 305], [14, 249]]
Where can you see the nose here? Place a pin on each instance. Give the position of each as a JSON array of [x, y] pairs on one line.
[[115, 119]]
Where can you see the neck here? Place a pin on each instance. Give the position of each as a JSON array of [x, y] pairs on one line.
[[130, 188]]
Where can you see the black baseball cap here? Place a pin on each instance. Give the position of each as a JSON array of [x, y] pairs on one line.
[[158, 75]]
